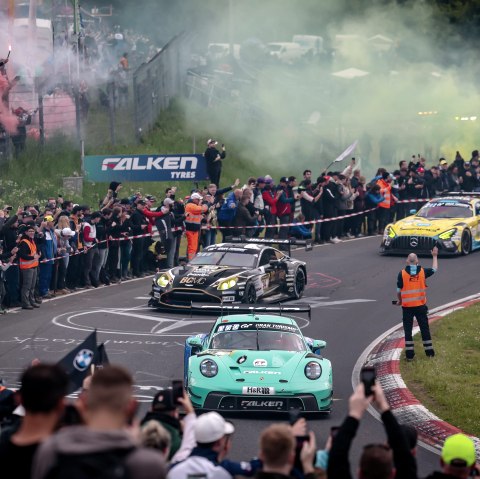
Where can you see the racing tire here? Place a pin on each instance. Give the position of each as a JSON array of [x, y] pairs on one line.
[[250, 296], [466, 243], [299, 284]]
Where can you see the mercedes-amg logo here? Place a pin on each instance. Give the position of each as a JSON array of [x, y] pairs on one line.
[[413, 241]]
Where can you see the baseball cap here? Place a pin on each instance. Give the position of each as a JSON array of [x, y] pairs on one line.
[[151, 198], [140, 202], [211, 427], [443, 161], [211, 140], [168, 201], [458, 448], [163, 401], [67, 232], [48, 218], [283, 179], [420, 170], [260, 179], [195, 196]]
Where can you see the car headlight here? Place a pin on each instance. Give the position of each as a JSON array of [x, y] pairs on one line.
[[163, 280], [313, 370], [209, 368], [227, 283], [446, 235], [390, 232]]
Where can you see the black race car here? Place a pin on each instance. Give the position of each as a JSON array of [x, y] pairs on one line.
[[226, 273]]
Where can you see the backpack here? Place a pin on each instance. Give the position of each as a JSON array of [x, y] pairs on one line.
[[94, 465]]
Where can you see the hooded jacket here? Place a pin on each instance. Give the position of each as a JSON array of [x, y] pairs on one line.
[[171, 424], [141, 463]]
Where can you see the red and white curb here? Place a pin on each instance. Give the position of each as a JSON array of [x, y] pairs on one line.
[[384, 353]]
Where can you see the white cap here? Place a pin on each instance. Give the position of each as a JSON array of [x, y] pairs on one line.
[[211, 140], [68, 232], [211, 427], [168, 201], [195, 196]]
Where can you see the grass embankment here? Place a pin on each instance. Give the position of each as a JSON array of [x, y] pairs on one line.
[[449, 385], [38, 173]]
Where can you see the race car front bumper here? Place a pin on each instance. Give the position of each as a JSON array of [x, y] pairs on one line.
[[182, 298], [222, 401], [419, 245]]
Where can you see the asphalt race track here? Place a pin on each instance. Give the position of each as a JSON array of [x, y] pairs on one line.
[[350, 290]]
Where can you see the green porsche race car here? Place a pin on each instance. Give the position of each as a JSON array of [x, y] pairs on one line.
[[257, 362]]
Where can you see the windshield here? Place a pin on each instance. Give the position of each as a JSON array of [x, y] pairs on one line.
[[222, 258], [258, 340], [443, 209]]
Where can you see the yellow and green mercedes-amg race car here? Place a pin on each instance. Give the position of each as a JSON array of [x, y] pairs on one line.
[[452, 223]]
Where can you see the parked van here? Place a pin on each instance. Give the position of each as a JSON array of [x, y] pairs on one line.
[[286, 52], [309, 43]]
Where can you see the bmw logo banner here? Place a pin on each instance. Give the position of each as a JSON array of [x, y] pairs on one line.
[[145, 168], [78, 361]]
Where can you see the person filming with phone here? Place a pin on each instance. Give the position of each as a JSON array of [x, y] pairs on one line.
[[412, 296], [378, 461]]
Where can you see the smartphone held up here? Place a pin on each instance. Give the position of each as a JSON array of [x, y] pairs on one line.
[[367, 376]]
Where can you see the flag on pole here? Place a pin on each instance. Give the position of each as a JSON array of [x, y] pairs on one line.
[[101, 358], [347, 152], [77, 362]]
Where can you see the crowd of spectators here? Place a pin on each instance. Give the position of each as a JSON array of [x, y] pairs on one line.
[[64, 246], [101, 435]]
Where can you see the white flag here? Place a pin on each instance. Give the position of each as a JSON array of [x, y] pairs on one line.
[[347, 152]]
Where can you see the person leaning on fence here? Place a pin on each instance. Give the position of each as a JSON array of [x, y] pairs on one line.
[[47, 245], [227, 212]]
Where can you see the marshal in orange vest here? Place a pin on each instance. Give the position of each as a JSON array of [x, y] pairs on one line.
[[414, 291]]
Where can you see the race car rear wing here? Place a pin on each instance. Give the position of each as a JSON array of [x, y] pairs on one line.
[[289, 242], [473, 194], [280, 309]]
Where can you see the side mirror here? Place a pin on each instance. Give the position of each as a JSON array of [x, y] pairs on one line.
[[194, 342], [318, 344]]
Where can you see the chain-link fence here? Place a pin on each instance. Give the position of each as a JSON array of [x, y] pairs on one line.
[[155, 83], [100, 104]]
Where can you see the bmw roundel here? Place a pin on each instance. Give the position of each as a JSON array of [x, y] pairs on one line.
[[83, 359]]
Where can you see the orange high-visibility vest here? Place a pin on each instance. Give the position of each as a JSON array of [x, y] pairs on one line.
[[414, 291], [193, 216], [29, 263], [385, 191]]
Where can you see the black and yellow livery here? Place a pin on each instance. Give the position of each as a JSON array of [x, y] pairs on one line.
[[231, 273]]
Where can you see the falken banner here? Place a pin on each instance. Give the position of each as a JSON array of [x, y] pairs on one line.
[[145, 168]]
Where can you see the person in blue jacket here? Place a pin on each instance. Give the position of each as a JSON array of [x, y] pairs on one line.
[[372, 199], [227, 212], [299, 230]]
